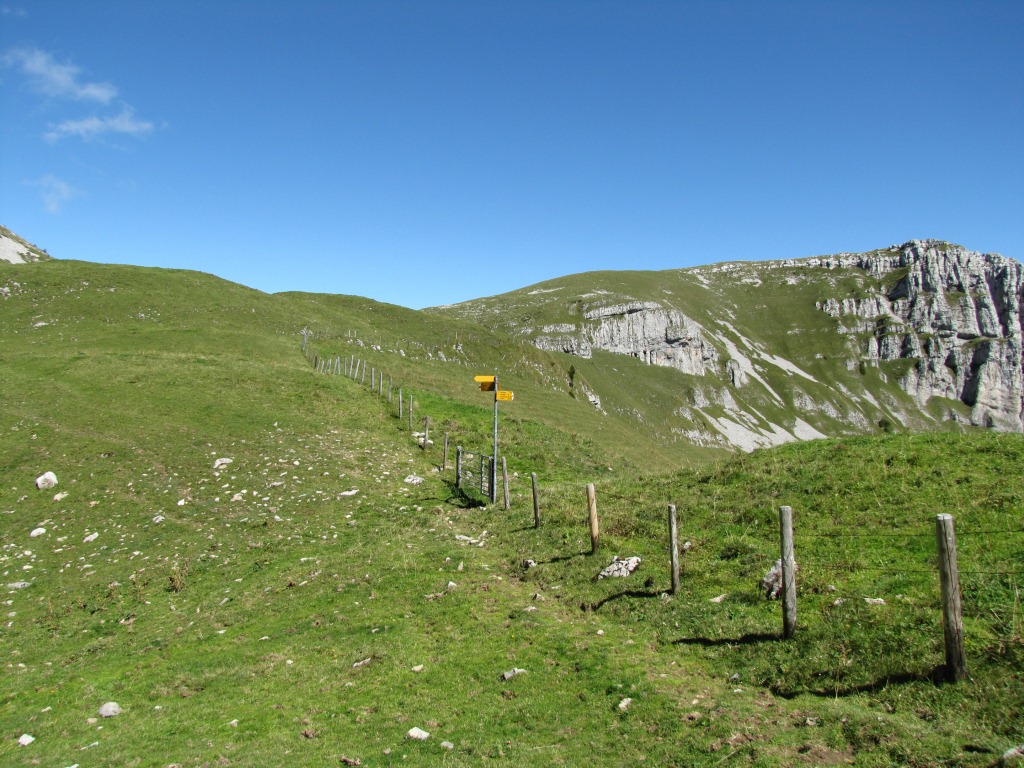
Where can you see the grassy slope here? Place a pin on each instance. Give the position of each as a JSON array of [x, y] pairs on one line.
[[255, 610], [774, 308]]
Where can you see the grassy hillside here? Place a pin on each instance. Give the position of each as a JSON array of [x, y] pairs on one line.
[[804, 364], [305, 604]]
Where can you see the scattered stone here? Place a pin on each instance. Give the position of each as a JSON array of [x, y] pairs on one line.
[[447, 745], [46, 480], [60, 496], [874, 601], [619, 568], [353, 492], [26, 739], [1014, 755], [345, 760], [417, 734], [512, 673], [451, 585], [529, 564], [37, 532], [838, 601], [222, 463], [413, 480], [18, 584], [233, 724], [362, 663], [110, 709], [418, 668], [159, 519], [90, 537], [624, 704], [718, 599]]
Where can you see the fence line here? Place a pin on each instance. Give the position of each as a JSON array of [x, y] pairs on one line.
[[949, 572]]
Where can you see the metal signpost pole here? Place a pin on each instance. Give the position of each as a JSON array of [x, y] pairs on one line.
[[494, 462]]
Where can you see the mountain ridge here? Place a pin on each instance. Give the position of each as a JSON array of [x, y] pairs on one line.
[[918, 336]]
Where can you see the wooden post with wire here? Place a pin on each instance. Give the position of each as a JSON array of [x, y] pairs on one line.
[[952, 615], [788, 572], [458, 466], [595, 528], [673, 547], [536, 500]]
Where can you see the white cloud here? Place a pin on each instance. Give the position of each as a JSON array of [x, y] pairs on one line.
[[54, 79], [90, 127], [54, 192]]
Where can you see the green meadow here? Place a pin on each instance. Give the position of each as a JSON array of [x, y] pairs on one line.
[[329, 588]]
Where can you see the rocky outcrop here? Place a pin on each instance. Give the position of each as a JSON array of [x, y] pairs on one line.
[[955, 314], [642, 329]]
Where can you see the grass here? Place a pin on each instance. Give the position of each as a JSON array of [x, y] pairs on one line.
[[275, 610]]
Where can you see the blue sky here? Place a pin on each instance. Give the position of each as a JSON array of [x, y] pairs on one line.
[[425, 152]]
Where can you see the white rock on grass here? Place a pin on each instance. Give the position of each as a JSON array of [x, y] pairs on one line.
[[37, 532], [418, 734], [413, 480], [222, 463], [110, 709], [46, 480], [512, 673], [1014, 755], [618, 569], [26, 739]]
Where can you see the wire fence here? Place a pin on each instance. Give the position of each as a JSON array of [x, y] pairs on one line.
[[475, 470]]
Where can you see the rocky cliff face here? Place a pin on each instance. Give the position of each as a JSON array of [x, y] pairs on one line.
[[642, 329], [956, 315], [912, 336]]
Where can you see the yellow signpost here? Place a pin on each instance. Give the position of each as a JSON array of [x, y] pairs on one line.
[[490, 384]]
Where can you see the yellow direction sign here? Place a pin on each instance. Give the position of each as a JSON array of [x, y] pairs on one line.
[[483, 379], [487, 383], [504, 394]]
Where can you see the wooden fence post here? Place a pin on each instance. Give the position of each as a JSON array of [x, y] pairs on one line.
[[458, 466], [788, 572], [426, 432], [401, 413], [952, 617], [444, 455], [536, 500], [595, 529], [504, 484], [410, 413], [673, 547]]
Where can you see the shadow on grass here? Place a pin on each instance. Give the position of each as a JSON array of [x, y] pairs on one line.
[[628, 593], [936, 676], [458, 497], [713, 642]]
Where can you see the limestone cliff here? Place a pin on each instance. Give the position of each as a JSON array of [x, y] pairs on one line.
[[920, 336], [956, 315]]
